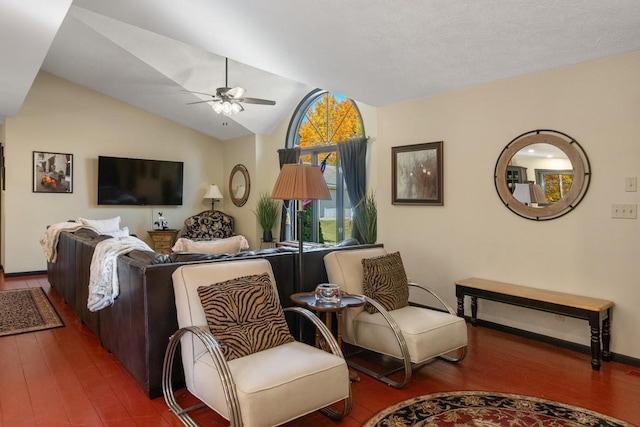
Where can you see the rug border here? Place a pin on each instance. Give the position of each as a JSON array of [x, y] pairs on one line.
[[44, 294], [381, 414]]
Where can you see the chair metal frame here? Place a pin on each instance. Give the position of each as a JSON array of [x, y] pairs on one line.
[[226, 378], [407, 365]]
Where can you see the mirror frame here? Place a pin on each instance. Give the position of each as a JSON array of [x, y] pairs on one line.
[[581, 174], [240, 201]]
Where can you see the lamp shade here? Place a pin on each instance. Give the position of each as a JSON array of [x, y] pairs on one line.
[[522, 193], [529, 193], [300, 182], [213, 193]]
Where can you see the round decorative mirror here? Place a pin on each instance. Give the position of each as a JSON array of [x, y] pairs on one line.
[[239, 185], [542, 174]]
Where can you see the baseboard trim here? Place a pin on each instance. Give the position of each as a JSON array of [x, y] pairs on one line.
[[621, 358], [26, 273]]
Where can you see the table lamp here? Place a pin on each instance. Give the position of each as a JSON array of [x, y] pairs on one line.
[[214, 194]]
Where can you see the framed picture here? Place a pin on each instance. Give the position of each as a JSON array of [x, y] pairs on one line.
[[417, 174], [52, 172]]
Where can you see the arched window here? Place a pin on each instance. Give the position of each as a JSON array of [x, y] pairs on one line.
[[320, 122]]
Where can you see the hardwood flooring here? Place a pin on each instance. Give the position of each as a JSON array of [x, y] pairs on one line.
[[63, 377]]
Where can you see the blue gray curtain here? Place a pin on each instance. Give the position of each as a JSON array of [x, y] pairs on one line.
[[286, 155], [352, 154]]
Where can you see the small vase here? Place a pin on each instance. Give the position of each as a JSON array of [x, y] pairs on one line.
[[267, 236]]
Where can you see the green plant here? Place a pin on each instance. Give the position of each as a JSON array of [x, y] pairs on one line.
[[366, 218], [266, 211]]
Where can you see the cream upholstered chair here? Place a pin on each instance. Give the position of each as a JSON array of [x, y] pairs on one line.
[[265, 388], [413, 334]]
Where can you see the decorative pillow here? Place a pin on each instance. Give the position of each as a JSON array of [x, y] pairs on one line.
[[385, 281], [119, 233], [244, 315], [230, 245], [102, 225]]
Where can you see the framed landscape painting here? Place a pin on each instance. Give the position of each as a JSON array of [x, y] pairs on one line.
[[52, 172], [417, 174]]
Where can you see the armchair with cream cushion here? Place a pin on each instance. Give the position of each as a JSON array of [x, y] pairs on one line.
[[388, 324], [251, 372]]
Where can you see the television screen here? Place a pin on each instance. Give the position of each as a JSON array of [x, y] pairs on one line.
[[124, 181]]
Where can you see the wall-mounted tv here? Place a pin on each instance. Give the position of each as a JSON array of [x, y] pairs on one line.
[[125, 181]]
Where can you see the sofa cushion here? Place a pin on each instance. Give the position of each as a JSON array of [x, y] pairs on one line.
[[229, 245], [244, 315], [102, 225], [385, 281]]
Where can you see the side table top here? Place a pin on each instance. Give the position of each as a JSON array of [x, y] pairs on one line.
[[308, 299]]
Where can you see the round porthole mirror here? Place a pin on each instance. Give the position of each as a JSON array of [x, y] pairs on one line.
[[542, 174], [239, 185]]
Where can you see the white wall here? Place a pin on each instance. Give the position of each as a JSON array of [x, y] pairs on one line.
[[473, 234], [59, 116]]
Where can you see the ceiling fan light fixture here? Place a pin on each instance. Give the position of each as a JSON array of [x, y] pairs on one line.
[[227, 107]]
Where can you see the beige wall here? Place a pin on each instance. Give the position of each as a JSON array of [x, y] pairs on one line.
[[473, 234], [59, 116]]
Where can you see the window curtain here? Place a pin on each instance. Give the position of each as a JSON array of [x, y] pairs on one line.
[[352, 154], [286, 155]]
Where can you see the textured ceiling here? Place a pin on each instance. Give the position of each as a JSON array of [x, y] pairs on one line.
[[147, 52]]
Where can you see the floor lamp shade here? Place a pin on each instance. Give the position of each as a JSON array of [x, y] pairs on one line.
[[300, 182]]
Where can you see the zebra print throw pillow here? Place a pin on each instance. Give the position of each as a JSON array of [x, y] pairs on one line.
[[244, 315], [385, 281]]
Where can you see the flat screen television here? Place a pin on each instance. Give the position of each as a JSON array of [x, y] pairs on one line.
[[125, 181]]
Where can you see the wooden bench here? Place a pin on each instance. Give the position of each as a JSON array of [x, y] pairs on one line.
[[596, 311]]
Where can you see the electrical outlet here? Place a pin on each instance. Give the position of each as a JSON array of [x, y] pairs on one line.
[[631, 183], [624, 211]]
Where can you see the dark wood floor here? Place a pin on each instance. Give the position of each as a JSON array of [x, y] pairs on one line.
[[63, 377]]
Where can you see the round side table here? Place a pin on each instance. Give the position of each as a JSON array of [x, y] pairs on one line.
[[308, 300]]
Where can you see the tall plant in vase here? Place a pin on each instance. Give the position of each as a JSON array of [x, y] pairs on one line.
[[366, 218], [267, 210]]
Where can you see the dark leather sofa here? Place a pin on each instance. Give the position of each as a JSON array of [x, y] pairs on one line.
[[137, 327]]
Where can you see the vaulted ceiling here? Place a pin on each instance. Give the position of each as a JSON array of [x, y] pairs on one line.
[[151, 53]]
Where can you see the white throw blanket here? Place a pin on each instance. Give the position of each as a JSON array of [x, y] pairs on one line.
[[104, 287], [49, 241]]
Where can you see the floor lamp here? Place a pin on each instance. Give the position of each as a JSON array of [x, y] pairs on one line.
[[300, 182]]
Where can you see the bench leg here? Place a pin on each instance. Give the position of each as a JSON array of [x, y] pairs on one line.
[[461, 306], [595, 345], [606, 338], [474, 311]]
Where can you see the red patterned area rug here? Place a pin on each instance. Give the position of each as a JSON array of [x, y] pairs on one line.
[[26, 310], [487, 409]]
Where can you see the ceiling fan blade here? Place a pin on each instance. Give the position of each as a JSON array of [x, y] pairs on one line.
[[236, 92], [202, 102], [256, 101], [199, 93]]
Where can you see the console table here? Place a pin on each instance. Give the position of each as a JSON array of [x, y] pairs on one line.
[[596, 311]]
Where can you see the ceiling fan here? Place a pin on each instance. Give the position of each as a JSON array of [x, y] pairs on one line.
[[227, 100]]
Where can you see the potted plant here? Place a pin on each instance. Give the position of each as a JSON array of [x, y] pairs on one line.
[[267, 213], [366, 218]]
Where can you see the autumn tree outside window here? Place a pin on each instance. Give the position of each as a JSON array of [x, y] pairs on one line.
[[320, 122]]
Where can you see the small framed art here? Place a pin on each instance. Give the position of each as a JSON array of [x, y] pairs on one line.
[[417, 174], [52, 172]]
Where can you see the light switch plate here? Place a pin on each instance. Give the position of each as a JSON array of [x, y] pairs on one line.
[[624, 211], [631, 183]]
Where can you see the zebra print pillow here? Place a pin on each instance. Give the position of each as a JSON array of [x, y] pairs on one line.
[[385, 281], [244, 315]]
